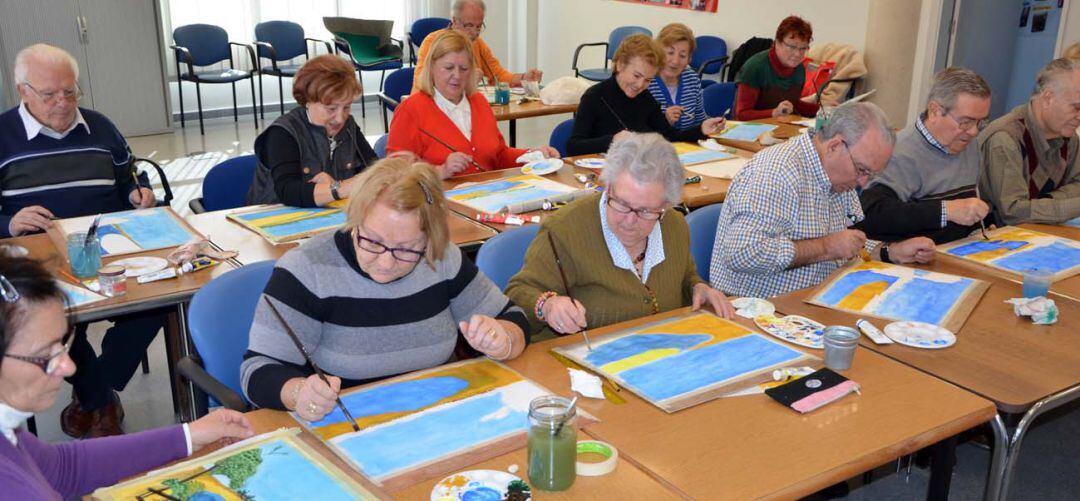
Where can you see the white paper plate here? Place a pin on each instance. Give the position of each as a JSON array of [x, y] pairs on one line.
[[542, 167], [920, 335], [473, 484], [12, 250], [590, 163], [138, 266], [794, 329]]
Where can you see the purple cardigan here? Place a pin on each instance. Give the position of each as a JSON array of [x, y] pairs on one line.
[[38, 470]]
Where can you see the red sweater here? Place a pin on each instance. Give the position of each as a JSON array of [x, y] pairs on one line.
[[748, 98], [419, 111]]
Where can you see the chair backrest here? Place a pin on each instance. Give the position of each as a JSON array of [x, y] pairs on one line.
[[719, 97], [220, 316], [227, 183], [398, 84], [618, 34], [560, 135], [423, 27], [380, 146], [207, 43], [702, 224], [287, 38], [708, 48], [503, 255]]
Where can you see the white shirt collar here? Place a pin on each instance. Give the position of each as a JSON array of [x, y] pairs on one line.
[[460, 113], [10, 420], [654, 250], [33, 127]]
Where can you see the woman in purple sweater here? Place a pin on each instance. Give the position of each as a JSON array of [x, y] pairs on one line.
[[34, 338]]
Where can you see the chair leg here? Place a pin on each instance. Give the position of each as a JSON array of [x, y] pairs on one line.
[[235, 115], [281, 93], [262, 108], [180, 92], [253, 115], [385, 121], [363, 106], [198, 97], [145, 363]]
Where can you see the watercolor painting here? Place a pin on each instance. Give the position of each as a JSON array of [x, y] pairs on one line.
[[1016, 250], [275, 465], [744, 131], [899, 293], [78, 296], [692, 154], [678, 363], [513, 194], [280, 223], [429, 417], [699, 5], [135, 230]]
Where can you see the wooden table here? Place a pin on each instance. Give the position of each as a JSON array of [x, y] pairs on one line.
[[784, 130], [527, 109], [752, 447], [1025, 369]]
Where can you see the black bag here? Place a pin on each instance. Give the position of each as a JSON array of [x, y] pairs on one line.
[[747, 49]]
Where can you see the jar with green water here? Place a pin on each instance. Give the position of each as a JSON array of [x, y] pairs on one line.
[[552, 443]]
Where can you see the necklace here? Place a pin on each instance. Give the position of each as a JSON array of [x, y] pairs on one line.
[[641, 257]]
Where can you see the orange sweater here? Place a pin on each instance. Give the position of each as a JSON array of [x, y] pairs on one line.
[[486, 62], [419, 111]]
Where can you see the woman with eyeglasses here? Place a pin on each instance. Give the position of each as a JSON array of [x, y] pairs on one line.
[[625, 253], [770, 83], [385, 295], [35, 336]]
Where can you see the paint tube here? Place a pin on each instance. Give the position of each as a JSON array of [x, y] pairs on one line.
[[506, 219], [196, 264], [164, 274]]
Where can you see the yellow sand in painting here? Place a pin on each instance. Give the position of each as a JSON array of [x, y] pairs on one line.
[[681, 148], [639, 359], [1013, 235], [268, 221], [482, 377], [862, 294], [721, 329], [209, 484]]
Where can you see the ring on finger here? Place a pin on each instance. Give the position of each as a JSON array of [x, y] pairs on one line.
[[312, 408], [491, 333]]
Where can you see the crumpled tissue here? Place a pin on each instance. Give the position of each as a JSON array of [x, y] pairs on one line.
[[1042, 311]]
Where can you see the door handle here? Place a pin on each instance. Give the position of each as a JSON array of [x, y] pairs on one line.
[[81, 23]]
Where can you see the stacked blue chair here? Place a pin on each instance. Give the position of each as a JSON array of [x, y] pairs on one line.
[[205, 45], [397, 87], [709, 57], [419, 30], [702, 224], [503, 255], [614, 39], [281, 41], [226, 185], [560, 135], [719, 97]]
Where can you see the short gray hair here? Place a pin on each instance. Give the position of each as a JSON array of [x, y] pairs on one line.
[[949, 83], [648, 158], [852, 120], [42, 53], [459, 5], [1052, 75]]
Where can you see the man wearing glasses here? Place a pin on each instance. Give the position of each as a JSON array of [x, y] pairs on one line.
[[787, 217], [929, 187], [1029, 166], [467, 16], [58, 161]]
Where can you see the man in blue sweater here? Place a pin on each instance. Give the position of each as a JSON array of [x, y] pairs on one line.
[[58, 161]]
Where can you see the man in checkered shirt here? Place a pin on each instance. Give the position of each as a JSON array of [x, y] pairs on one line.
[[785, 222]]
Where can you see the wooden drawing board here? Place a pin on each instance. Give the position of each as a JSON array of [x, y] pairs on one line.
[[279, 224], [176, 232], [1011, 250]]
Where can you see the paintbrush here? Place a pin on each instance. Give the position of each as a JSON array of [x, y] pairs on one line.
[[451, 148], [982, 221], [304, 352], [612, 110], [135, 177], [162, 494], [569, 409], [566, 285], [92, 231]]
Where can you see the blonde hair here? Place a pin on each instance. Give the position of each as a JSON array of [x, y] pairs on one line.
[[642, 46], [449, 42], [1072, 52], [406, 184], [675, 33]]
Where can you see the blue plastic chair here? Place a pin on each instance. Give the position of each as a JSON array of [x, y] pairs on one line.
[[503, 255], [709, 56], [380, 146], [398, 85], [719, 97], [226, 185], [560, 135], [219, 319], [702, 224], [281, 41], [419, 30], [610, 46], [204, 45]]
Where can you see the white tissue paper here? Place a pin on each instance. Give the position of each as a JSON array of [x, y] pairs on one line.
[[1042, 311], [532, 156], [586, 384], [753, 307]]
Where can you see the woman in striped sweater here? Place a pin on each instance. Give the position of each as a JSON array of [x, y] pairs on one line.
[[385, 295], [677, 87]]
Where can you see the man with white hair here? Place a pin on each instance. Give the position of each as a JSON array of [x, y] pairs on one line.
[[467, 16], [786, 221], [58, 161], [1030, 172]]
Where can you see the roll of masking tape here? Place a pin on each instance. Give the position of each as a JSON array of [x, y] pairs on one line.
[[611, 457]]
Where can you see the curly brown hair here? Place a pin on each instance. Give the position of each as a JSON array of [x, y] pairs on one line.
[[325, 79]]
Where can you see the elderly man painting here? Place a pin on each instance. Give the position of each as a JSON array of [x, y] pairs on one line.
[[467, 16], [56, 161], [785, 223], [928, 188], [1030, 171]]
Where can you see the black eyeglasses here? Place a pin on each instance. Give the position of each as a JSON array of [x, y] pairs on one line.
[[860, 171], [623, 208], [399, 253], [50, 363]]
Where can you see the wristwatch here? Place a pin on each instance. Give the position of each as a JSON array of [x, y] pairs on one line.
[[334, 190], [885, 253]]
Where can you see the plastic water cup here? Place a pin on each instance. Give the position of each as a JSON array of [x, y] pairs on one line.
[[85, 256], [1037, 282], [840, 342]]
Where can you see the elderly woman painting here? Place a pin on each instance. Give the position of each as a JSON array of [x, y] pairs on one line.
[[770, 83], [625, 253], [385, 295], [308, 156], [678, 88], [35, 336], [619, 105], [448, 123]]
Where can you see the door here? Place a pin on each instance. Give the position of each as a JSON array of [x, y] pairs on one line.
[[985, 42], [25, 23]]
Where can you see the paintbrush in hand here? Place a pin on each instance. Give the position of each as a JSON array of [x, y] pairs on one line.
[[982, 221], [304, 352], [451, 148], [566, 285]]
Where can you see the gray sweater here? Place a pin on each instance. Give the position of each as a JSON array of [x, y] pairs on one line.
[[356, 328]]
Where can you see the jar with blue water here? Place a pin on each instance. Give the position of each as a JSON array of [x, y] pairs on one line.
[[84, 255], [502, 93]]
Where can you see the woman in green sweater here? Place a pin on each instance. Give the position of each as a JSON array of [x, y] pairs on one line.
[[625, 253]]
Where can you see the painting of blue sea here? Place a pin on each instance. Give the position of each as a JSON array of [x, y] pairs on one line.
[[1017, 250]]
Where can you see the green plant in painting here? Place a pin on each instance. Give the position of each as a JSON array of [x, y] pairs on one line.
[[183, 490], [238, 468]]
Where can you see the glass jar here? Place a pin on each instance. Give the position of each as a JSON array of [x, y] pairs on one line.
[[552, 443], [502, 93], [113, 280], [85, 256]]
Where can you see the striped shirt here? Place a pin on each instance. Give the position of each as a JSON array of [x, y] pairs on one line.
[[782, 195], [688, 96]]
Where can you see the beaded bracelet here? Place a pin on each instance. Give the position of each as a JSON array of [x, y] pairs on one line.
[[540, 303]]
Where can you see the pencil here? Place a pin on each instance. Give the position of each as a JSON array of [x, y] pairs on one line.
[[566, 285], [303, 351], [451, 148]]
